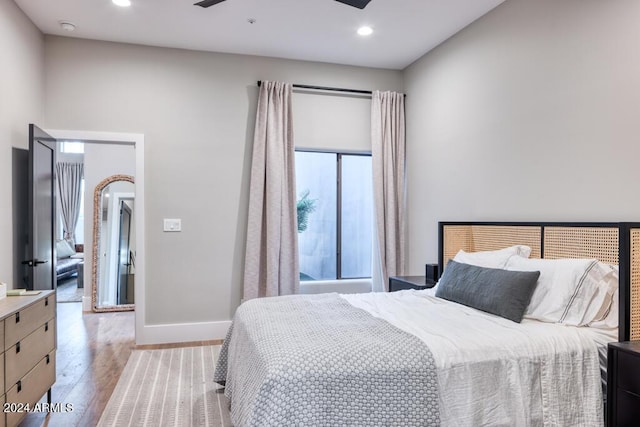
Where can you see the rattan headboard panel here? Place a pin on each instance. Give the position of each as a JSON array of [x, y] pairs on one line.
[[473, 238], [456, 237], [600, 243], [634, 297], [613, 243]]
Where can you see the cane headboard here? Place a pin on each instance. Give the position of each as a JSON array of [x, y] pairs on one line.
[[613, 243]]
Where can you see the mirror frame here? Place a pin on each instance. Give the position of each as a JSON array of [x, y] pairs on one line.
[[97, 217]]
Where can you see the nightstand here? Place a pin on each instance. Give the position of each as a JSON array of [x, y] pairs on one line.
[[623, 384], [398, 283]]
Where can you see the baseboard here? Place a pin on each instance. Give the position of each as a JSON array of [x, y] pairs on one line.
[[181, 332], [86, 304]]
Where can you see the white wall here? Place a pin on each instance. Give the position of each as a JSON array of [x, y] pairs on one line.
[[21, 93], [197, 112], [100, 161], [531, 113]]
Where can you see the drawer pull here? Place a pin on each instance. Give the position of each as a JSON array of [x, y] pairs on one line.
[[46, 302], [19, 384], [46, 326], [18, 347], [48, 359], [18, 317]]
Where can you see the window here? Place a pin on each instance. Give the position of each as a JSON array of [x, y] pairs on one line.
[[72, 147], [335, 215]]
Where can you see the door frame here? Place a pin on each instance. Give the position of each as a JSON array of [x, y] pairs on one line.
[[137, 140]]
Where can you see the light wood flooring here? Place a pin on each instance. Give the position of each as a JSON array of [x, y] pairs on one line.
[[93, 349], [68, 290]]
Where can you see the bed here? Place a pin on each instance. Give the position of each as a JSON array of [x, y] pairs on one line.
[[412, 358]]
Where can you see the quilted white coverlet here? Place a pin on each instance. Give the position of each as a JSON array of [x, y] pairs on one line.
[[316, 360], [495, 372]]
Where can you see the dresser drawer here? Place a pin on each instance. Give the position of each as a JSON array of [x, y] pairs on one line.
[[32, 386], [23, 322], [27, 352], [2, 389], [629, 372], [2, 335]]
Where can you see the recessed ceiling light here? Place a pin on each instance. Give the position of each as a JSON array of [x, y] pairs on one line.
[[67, 26], [122, 3], [365, 30]]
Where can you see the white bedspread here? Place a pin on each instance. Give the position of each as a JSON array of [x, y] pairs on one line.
[[492, 371]]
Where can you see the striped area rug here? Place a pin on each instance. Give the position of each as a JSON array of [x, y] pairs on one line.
[[171, 387]]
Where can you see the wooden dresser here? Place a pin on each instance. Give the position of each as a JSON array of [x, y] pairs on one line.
[[27, 353]]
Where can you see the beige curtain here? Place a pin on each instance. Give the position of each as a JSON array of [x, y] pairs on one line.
[[271, 263], [388, 157]]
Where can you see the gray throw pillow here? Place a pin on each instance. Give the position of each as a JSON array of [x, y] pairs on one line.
[[502, 292]]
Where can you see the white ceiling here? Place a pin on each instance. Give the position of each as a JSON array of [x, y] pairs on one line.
[[314, 30]]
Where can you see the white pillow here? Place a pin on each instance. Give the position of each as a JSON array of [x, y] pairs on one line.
[[569, 291], [492, 259]]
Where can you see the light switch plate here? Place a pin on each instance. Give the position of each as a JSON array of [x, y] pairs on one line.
[[172, 224]]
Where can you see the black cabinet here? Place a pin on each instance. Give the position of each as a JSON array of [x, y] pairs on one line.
[[623, 384], [398, 283]]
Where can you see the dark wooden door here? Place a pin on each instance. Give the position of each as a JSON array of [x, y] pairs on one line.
[[41, 258]]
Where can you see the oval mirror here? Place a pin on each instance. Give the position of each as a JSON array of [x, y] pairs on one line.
[[113, 256]]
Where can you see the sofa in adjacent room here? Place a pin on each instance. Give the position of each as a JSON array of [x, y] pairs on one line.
[[68, 260]]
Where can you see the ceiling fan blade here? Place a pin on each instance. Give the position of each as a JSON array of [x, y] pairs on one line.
[[360, 4], [207, 3]]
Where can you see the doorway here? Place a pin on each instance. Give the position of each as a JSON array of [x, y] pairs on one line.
[[136, 141]]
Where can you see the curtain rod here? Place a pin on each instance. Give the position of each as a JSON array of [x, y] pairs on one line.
[[332, 89]]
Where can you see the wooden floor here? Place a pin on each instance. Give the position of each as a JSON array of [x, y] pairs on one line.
[[93, 349], [68, 290]]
